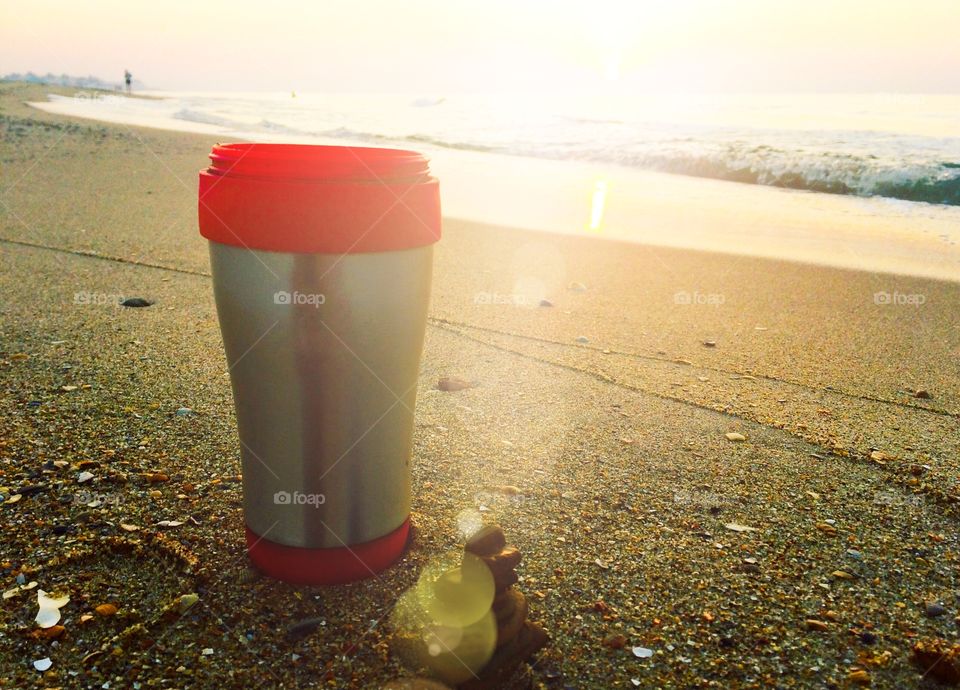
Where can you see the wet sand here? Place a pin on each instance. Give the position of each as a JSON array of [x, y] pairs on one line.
[[607, 410]]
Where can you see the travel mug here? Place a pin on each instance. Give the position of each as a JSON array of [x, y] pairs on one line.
[[321, 259]]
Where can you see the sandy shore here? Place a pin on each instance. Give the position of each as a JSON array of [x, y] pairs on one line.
[[607, 410]]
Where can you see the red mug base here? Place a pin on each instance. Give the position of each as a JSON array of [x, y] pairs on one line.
[[334, 566]]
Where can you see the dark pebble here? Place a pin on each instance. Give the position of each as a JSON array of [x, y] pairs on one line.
[[488, 540], [935, 610], [867, 637], [60, 530], [300, 629], [136, 302], [546, 303]]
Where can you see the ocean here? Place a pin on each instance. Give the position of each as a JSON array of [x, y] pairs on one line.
[[881, 166], [896, 146]]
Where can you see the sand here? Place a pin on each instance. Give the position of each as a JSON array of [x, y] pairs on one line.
[[628, 483]]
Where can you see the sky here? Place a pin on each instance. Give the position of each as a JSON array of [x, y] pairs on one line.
[[450, 46]]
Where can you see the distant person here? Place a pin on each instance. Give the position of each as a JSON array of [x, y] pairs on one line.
[[127, 77]]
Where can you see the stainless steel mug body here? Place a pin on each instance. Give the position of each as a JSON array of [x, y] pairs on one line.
[[323, 352]]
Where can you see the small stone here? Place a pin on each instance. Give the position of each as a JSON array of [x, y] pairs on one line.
[[452, 383], [935, 610], [577, 287], [709, 343], [642, 652], [614, 641], [583, 339], [184, 412], [842, 575], [84, 477], [186, 601], [922, 394], [734, 436], [67, 389], [500, 563], [302, 628], [859, 677], [868, 638], [106, 609], [734, 527], [546, 303], [43, 664], [137, 302], [50, 633], [157, 477], [487, 541], [820, 626]]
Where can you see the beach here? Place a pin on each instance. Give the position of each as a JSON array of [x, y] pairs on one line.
[[814, 548]]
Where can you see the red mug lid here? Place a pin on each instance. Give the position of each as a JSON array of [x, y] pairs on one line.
[[306, 198]]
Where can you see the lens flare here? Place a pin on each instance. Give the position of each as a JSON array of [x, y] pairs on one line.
[[445, 623]]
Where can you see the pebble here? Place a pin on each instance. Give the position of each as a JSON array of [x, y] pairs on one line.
[[487, 541], [577, 287], [734, 527], [583, 339], [642, 652], [922, 394], [546, 303], [615, 641], [868, 638], [106, 609], [302, 628], [820, 626], [452, 383], [709, 343], [136, 302], [734, 436], [84, 477], [184, 412], [934, 610], [859, 677]]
